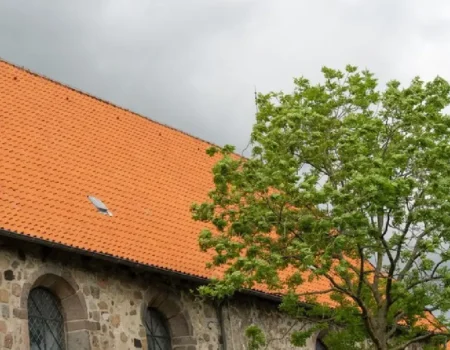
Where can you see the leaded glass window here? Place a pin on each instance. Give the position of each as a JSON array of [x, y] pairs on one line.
[[45, 321], [158, 336]]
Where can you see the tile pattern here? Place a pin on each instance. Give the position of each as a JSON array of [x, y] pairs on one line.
[[57, 146]]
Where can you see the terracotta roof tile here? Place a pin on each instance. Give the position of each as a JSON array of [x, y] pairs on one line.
[[57, 146]]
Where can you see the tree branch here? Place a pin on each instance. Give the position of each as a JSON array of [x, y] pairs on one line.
[[415, 340], [365, 314], [361, 269], [415, 254], [422, 281], [395, 323], [317, 293]]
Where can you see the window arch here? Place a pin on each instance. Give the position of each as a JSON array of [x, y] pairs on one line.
[[157, 330], [45, 321], [160, 299], [63, 288]]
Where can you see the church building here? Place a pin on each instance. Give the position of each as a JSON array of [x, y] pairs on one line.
[[98, 249]]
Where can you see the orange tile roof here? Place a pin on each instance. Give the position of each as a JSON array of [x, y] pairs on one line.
[[59, 145]]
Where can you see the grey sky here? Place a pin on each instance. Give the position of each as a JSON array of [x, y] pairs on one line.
[[193, 64]]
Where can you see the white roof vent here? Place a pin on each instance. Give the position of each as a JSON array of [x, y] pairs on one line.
[[101, 207]]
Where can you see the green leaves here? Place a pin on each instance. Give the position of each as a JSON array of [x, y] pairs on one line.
[[256, 337], [211, 151], [299, 338], [340, 172]]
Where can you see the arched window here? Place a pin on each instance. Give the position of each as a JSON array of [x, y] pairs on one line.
[[158, 335], [320, 345], [45, 321]]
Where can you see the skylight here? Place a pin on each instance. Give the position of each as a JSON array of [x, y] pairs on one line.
[[101, 207]]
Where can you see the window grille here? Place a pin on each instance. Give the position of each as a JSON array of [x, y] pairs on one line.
[[158, 336], [45, 321]]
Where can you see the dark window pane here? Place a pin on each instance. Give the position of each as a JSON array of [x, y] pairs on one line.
[[45, 321], [320, 345], [158, 336]]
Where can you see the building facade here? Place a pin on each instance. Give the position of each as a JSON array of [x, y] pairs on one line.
[[114, 306]]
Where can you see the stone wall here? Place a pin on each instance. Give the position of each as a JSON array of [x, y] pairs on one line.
[[103, 304]]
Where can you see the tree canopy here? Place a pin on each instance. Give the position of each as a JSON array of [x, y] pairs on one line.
[[349, 183]]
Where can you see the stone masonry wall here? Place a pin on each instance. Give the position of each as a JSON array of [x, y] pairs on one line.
[[103, 304]]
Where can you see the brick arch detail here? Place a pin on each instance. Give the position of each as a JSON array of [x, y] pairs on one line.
[[167, 301], [61, 283]]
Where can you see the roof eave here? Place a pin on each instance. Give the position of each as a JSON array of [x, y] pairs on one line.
[[126, 262]]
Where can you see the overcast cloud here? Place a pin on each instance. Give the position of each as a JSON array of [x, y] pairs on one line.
[[193, 64]]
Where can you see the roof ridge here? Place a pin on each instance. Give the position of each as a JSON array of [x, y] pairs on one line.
[[79, 91]]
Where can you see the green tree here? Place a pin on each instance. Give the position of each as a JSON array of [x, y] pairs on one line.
[[346, 183]]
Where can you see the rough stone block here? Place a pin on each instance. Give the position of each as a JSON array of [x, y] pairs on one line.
[[170, 308], [20, 313], [8, 342], [73, 308], [179, 326], [46, 279], [137, 343], [3, 327], [67, 276], [102, 305], [9, 275], [184, 341], [5, 311], [86, 291], [123, 337], [78, 340], [82, 324], [96, 315], [115, 320], [16, 289], [95, 341], [24, 297], [142, 332], [95, 292], [4, 296], [103, 282], [62, 289], [4, 262]]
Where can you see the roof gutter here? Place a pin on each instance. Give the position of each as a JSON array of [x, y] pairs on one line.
[[126, 262]]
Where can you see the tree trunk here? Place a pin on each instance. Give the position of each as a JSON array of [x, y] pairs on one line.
[[380, 333]]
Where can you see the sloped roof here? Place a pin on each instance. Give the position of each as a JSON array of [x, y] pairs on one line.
[[58, 146]]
